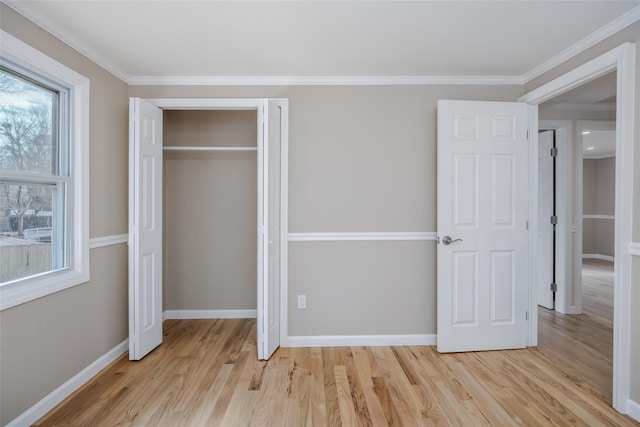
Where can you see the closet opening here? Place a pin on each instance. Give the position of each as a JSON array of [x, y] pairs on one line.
[[208, 215], [210, 193]]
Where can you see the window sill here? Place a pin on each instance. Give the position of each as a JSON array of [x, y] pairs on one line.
[[34, 287]]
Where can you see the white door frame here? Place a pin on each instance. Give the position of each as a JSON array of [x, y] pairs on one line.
[[254, 104], [622, 60]]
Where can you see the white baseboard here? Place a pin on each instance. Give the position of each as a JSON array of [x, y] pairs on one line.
[[50, 401], [210, 314], [633, 408], [598, 256], [359, 340]]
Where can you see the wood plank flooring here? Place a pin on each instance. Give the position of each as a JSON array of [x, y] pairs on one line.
[[583, 344], [206, 374]]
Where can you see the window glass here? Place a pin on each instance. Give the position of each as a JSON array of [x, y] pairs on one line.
[[28, 116], [32, 204]]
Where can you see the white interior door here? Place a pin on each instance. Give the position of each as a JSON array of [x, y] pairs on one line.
[[482, 216], [546, 235], [269, 265], [145, 228]]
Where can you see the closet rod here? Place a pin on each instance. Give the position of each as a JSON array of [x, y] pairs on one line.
[[192, 148]]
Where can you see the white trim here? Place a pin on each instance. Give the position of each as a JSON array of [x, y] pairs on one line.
[[356, 236], [598, 217], [611, 28], [209, 314], [323, 80], [598, 256], [100, 242], [284, 219], [205, 103], [206, 148], [360, 340], [622, 60], [50, 401], [62, 34], [595, 68], [27, 289], [634, 249], [634, 409]]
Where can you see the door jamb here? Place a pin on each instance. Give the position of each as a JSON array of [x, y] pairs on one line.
[[254, 104], [622, 60], [569, 222]]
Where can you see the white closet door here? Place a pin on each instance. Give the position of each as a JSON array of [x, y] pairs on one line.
[[145, 228], [269, 250]]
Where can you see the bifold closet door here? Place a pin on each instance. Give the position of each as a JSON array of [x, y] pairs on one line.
[[269, 265], [145, 228]]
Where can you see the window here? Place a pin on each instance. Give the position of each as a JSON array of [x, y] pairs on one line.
[[43, 175]]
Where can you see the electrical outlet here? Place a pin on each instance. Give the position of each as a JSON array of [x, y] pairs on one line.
[[302, 301]]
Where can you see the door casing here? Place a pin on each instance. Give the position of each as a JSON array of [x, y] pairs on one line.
[[621, 60]]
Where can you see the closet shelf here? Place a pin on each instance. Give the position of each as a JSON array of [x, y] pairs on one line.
[[196, 148]]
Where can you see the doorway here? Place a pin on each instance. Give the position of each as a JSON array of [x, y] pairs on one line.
[[621, 60]]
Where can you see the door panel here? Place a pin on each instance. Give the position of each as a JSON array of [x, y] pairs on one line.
[[503, 283], [503, 195], [465, 191], [483, 201], [465, 288], [145, 228], [269, 282]]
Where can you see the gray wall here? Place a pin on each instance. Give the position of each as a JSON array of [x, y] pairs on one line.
[[629, 34], [210, 211], [361, 159], [47, 341], [598, 199]]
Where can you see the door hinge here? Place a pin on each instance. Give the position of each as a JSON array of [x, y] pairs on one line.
[[554, 219], [554, 152], [527, 134], [527, 225], [554, 287], [526, 315]]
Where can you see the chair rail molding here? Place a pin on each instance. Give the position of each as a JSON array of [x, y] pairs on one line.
[[115, 239], [363, 236]]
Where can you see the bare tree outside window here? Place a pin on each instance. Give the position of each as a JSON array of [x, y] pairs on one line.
[[28, 167]]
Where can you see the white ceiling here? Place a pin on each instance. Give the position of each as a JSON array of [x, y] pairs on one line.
[[507, 41]]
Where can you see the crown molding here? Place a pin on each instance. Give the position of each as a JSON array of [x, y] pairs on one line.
[[41, 20], [58, 31], [608, 30], [322, 80]]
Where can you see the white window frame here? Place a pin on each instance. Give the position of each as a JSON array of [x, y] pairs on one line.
[[18, 53]]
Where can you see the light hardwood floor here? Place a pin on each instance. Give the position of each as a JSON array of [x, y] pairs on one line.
[[583, 344], [206, 374]]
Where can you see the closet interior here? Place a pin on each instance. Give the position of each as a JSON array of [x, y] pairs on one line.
[[210, 210]]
